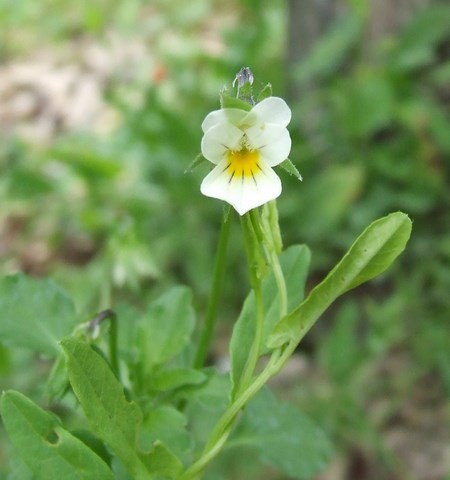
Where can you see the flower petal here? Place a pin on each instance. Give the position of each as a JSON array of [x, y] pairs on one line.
[[273, 110], [277, 150], [243, 193], [263, 134], [225, 115], [218, 140]]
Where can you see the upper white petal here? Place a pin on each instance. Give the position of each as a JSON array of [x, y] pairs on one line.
[[225, 115], [218, 140], [242, 193], [273, 110], [263, 134], [277, 146]]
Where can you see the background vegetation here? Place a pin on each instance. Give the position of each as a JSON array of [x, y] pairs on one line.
[[100, 111]]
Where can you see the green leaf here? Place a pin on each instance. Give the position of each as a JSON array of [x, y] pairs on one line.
[[91, 164], [26, 182], [359, 114], [168, 327], [294, 263], [371, 254], [283, 437], [18, 470], [329, 199], [265, 93], [166, 379], [330, 51], [206, 404], [167, 425], [34, 314], [111, 417], [164, 464], [416, 44], [340, 353], [290, 168], [57, 381], [50, 451]]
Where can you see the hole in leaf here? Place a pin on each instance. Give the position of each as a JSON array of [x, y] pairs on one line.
[[52, 438]]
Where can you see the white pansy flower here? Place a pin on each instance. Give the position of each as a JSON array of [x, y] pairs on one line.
[[245, 146]]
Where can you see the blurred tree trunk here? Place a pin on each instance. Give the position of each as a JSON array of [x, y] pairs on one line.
[[387, 16], [309, 20]]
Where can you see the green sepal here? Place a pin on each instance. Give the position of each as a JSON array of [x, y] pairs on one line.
[[290, 168], [198, 160], [265, 93], [226, 101], [245, 93], [369, 256]]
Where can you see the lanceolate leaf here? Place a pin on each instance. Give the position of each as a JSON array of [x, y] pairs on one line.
[[112, 418], [371, 254], [34, 314], [50, 451]]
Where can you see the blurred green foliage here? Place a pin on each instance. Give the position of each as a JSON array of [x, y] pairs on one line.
[[120, 216]]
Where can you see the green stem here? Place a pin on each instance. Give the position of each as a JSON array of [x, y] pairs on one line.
[[253, 244], [256, 225], [113, 354], [218, 275], [251, 248], [270, 231], [112, 335], [281, 283], [258, 244], [225, 423], [255, 348]]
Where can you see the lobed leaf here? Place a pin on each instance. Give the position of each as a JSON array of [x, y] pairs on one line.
[[50, 451], [111, 417], [284, 437], [167, 328], [34, 314], [166, 424], [371, 254]]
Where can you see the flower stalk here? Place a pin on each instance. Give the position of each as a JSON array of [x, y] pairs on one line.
[[217, 284]]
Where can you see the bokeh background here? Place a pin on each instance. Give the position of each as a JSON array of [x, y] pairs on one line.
[[100, 110]]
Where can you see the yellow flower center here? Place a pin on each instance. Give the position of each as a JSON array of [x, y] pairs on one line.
[[243, 163]]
